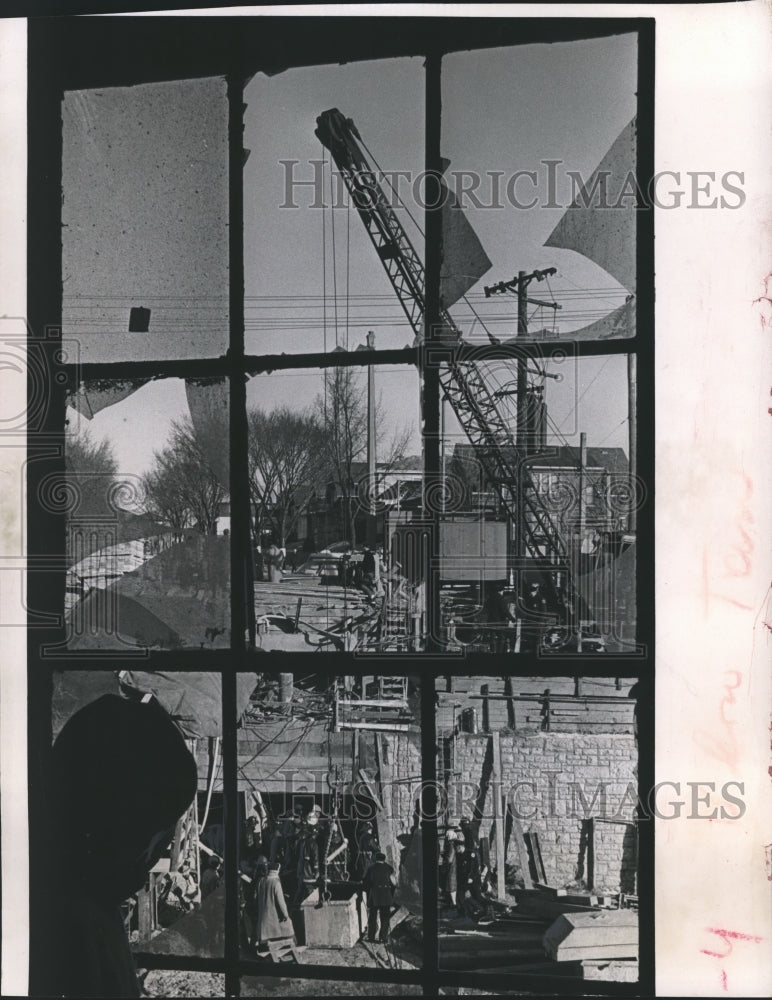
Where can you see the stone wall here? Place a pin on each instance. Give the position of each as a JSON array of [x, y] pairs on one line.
[[554, 783], [403, 759]]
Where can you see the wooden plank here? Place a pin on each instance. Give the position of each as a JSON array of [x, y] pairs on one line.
[[498, 813], [144, 915], [370, 785], [537, 858], [591, 853], [511, 719], [391, 727], [486, 712], [522, 852], [373, 703], [385, 820]]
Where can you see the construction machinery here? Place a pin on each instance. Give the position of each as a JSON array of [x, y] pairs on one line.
[[502, 457]]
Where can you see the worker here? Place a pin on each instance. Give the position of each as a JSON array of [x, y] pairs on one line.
[[248, 909], [462, 876], [468, 832], [344, 567], [290, 861], [368, 573], [452, 842], [471, 902], [307, 858], [273, 920], [368, 846], [380, 885], [496, 614], [276, 845], [274, 560], [448, 874]]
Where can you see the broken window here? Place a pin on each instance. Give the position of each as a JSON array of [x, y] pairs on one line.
[[145, 217], [539, 832], [298, 430], [147, 493]]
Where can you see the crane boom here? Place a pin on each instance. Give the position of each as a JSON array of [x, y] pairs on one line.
[[462, 382]]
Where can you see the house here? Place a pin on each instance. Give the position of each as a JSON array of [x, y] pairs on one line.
[[555, 474]]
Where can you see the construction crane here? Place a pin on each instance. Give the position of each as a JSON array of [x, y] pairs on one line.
[[501, 456]]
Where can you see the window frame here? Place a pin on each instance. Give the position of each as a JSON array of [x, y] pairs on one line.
[[67, 53]]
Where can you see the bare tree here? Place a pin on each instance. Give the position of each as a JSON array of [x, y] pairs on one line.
[[164, 498], [90, 472], [91, 469], [343, 410], [183, 483], [285, 456]]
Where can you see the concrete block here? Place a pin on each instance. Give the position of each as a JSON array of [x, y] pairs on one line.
[[338, 923], [602, 934]]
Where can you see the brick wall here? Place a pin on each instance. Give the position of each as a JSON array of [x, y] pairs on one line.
[[562, 768]]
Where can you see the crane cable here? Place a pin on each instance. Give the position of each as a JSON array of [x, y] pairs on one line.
[[213, 778]]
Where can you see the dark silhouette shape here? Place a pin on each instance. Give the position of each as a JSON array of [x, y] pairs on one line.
[[120, 777]]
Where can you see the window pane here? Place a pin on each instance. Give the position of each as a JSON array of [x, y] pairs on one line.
[[135, 754], [329, 768], [145, 221], [561, 577], [313, 277], [528, 182], [557, 848], [147, 491], [336, 509]]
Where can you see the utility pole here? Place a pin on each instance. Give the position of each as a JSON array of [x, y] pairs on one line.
[[522, 409], [371, 464], [580, 540], [519, 285], [632, 407]]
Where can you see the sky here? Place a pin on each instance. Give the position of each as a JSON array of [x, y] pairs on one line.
[[504, 110]]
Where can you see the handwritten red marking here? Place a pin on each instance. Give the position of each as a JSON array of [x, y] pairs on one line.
[[764, 299], [735, 557], [722, 745], [728, 937]]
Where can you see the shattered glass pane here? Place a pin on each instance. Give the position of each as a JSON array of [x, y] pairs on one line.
[[553, 197], [148, 515], [315, 276], [145, 221], [538, 830], [538, 529], [338, 527], [330, 768]]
